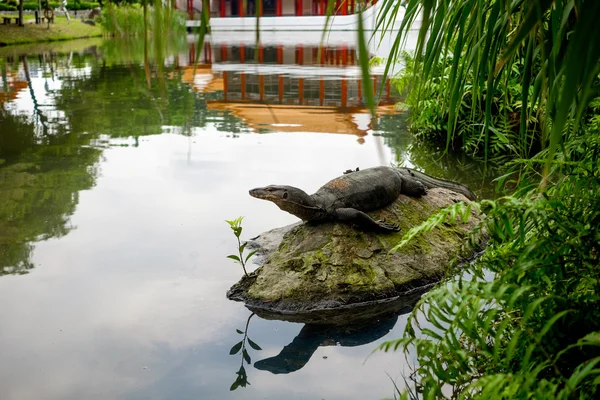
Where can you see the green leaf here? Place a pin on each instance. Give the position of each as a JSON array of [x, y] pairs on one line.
[[254, 345], [240, 332], [246, 356], [250, 255], [233, 257], [552, 321], [235, 349], [363, 60]]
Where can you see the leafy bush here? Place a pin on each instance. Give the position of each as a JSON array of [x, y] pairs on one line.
[[129, 21], [71, 5], [501, 66], [430, 115], [6, 7], [82, 5], [523, 321], [534, 328]]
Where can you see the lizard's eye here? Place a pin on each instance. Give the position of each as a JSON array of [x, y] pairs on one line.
[[285, 195]]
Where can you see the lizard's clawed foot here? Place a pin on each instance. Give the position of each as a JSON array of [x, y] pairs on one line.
[[349, 171], [387, 226]]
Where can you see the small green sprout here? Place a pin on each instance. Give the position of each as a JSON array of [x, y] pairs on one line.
[[236, 227]]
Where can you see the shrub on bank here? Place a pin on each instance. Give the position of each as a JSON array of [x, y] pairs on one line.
[[7, 7], [33, 5], [129, 21]]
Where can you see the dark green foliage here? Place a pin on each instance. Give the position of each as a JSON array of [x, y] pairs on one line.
[[482, 60], [160, 21], [7, 7], [513, 80], [534, 329], [71, 5], [430, 114]]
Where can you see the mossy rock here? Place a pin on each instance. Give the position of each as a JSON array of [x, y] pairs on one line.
[[335, 266]]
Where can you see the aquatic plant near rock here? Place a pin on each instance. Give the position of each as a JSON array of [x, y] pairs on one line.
[[236, 227]]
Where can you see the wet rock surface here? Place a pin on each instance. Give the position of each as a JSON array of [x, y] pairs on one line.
[[330, 272]]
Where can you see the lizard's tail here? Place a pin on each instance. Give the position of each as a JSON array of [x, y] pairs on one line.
[[432, 182]]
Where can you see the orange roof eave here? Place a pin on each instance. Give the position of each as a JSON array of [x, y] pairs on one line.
[[291, 118]]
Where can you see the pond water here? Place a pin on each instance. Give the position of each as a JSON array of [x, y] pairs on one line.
[[115, 184]]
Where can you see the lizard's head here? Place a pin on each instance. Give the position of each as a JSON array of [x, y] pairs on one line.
[[288, 198]]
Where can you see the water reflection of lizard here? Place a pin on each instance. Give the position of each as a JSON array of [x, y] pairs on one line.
[[295, 355]]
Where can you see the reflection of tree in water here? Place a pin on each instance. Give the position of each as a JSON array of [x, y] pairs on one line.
[[434, 161], [115, 101], [45, 158], [38, 189], [394, 130], [455, 167]]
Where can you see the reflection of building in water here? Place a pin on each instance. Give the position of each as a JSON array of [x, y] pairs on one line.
[[290, 88], [10, 86], [293, 75]]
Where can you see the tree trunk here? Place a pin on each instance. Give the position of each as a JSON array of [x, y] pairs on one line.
[[21, 12]]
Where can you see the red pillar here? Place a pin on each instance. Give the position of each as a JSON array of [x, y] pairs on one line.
[[344, 6], [242, 54], [344, 93], [243, 85], [222, 7], [300, 55], [278, 8], [225, 88], [359, 89], [321, 92], [300, 91], [344, 55], [240, 8], [280, 78], [223, 53], [261, 87], [280, 88], [299, 7], [192, 54], [261, 78], [388, 89], [300, 61], [323, 6], [190, 9], [375, 85]]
